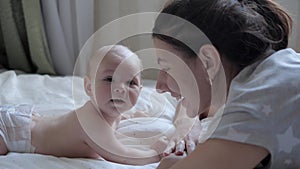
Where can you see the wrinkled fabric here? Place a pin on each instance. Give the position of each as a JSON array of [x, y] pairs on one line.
[[15, 127], [263, 109]]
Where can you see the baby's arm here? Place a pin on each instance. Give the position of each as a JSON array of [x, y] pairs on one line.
[[136, 114], [106, 144], [113, 150]]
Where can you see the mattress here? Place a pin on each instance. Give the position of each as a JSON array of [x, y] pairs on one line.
[[54, 95]]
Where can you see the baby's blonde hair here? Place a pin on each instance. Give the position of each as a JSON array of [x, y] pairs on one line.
[[105, 51]]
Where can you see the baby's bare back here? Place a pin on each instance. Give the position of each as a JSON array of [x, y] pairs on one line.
[[60, 136]]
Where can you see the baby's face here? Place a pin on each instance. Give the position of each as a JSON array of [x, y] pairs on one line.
[[116, 84]]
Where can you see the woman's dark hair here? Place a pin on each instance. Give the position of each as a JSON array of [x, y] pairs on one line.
[[241, 30]]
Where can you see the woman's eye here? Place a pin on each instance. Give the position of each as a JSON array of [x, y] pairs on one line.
[[108, 79], [132, 82], [165, 69]]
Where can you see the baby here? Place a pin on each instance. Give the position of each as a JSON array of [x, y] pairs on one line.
[[113, 83]]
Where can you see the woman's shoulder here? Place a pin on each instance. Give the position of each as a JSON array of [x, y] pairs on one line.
[[272, 83], [280, 69], [285, 58]]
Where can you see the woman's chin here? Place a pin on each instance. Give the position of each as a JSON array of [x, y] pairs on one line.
[[190, 110], [191, 113]]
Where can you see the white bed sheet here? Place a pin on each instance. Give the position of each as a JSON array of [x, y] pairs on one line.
[[56, 95]]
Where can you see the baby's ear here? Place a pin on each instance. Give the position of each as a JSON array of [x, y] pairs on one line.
[[87, 86]]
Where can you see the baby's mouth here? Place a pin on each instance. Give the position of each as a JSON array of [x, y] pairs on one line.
[[117, 101]]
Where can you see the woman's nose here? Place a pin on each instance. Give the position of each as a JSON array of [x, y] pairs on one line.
[[161, 85]]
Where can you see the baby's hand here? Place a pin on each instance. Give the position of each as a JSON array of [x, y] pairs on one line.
[[140, 114], [134, 115], [160, 145]]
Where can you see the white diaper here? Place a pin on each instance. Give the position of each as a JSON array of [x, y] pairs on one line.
[[15, 127]]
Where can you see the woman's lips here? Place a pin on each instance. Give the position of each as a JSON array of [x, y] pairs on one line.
[[177, 96]]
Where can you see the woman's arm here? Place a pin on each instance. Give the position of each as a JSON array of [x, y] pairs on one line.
[[217, 153]]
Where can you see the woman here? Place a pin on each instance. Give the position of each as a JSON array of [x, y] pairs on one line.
[[246, 42]]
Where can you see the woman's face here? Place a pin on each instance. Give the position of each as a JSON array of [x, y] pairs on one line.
[[183, 77]]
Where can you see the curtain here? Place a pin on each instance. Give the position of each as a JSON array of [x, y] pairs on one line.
[[298, 28], [68, 23], [46, 36], [23, 45], [107, 12], [293, 8]]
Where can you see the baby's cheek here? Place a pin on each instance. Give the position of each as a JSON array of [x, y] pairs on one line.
[[133, 96]]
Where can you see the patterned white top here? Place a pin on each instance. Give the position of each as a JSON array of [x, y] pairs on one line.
[[263, 108]]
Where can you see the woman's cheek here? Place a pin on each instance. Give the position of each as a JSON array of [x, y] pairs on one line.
[[173, 85]]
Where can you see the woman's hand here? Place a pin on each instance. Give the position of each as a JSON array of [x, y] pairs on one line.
[[186, 134], [185, 137]]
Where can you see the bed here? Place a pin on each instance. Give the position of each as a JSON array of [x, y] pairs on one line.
[[53, 95]]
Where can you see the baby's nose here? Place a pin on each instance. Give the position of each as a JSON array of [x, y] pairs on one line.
[[119, 88]]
